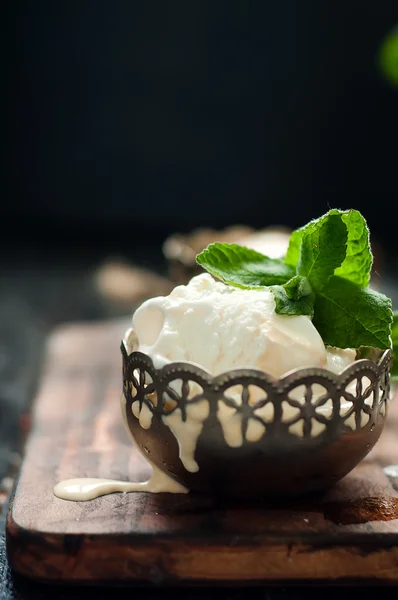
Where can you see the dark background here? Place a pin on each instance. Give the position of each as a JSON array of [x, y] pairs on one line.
[[144, 117], [125, 121]]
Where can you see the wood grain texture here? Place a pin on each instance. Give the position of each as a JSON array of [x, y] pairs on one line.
[[349, 535]]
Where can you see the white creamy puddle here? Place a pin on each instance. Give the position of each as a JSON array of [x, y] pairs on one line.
[[83, 488], [87, 488]]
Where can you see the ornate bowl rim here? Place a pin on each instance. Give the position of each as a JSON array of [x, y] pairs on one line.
[[379, 367]]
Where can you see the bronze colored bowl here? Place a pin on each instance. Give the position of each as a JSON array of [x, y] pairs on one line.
[[307, 452]]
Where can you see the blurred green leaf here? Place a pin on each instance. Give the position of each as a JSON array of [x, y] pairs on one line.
[[388, 57]]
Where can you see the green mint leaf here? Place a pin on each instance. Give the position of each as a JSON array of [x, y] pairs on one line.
[[323, 249], [293, 250], [297, 287], [359, 258], [348, 316], [294, 298], [394, 338], [242, 267]]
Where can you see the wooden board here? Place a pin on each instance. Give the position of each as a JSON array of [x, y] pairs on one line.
[[350, 535]]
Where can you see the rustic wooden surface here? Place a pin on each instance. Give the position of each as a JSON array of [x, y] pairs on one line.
[[350, 535]]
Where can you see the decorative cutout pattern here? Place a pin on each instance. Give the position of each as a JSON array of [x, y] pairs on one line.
[[306, 404]]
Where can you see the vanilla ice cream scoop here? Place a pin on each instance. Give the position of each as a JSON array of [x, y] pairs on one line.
[[219, 328]]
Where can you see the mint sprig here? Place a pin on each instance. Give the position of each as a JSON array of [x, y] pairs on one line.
[[324, 275]]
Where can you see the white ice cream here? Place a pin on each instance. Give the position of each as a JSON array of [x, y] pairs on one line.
[[218, 328]]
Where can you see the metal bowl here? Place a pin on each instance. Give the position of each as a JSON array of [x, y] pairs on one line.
[[286, 442]]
